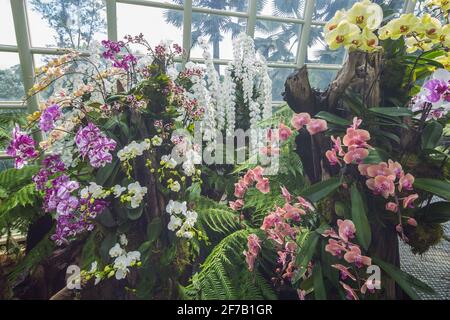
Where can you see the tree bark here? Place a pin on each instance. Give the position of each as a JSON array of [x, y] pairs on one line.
[[360, 74]]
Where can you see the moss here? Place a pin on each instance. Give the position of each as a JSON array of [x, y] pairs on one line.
[[424, 236]]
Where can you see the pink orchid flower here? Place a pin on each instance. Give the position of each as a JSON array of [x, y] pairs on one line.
[[263, 185], [301, 294], [284, 132], [355, 256], [343, 271], [347, 229], [406, 182], [239, 190], [330, 233], [316, 126], [270, 221], [291, 247], [396, 167], [380, 169], [356, 155], [362, 168], [412, 222], [408, 202], [254, 244], [356, 138], [237, 205], [337, 146], [351, 295], [258, 173], [382, 185], [332, 157], [250, 259], [305, 203], [392, 206], [335, 248], [292, 212], [300, 120], [286, 195], [356, 123]]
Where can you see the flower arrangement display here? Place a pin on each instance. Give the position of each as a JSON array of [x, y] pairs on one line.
[[359, 167]]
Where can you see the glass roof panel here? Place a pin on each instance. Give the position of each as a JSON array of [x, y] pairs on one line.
[[282, 8], [277, 41], [219, 31], [155, 24], [7, 35], [324, 10], [66, 23], [11, 85], [228, 5]]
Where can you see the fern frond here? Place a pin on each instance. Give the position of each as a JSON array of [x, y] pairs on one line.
[[216, 219], [10, 179]]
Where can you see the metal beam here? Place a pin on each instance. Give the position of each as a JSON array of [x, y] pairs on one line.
[[21, 28], [409, 7], [304, 33], [111, 19], [187, 30], [251, 22], [8, 48]]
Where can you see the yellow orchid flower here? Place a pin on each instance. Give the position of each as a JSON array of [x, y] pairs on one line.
[[444, 5], [369, 41], [444, 60], [366, 14], [418, 43], [444, 35], [429, 26], [339, 16], [399, 27], [343, 35]]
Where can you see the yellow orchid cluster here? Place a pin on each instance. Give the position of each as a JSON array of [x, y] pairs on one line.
[[354, 29], [443, 5], [420, 33]]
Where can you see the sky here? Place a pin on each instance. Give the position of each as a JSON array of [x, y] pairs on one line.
[[131, 19]]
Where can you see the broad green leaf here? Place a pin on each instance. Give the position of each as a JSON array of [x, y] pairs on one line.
[[359, 217], [134, 214], [107, 173], [319, 285], [106, 218], [392, 112], [154, 229], [322, 189], [406, 281], [306, 252], [437, 212], [437, 187], [332, 118], [431, 135]]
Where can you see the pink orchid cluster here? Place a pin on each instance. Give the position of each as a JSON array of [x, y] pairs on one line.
[[248, 180], [340, 245], [355, 141], [254, 247], [386, 179], [313, 126], [21, 148], [281, 226]]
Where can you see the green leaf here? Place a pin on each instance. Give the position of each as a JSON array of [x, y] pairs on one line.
[[134, 214], [392, 112], [154, 229], [359, 217], [436, 187], [322, 189], [319, 286], [437, 212], [406, 281], [107, 219], [306, 252], [431, 135], [107, 173], [331, 118]]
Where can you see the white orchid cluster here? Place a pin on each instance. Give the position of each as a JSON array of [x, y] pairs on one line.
[[248, 68], [135, 194], [354, 29], [120, 268], [96, 191], [133, 150], [182, 220]]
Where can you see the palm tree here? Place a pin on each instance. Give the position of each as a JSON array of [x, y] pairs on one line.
[[210, 25]]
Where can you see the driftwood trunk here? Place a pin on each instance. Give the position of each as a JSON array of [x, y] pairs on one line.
[[360, 74]]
